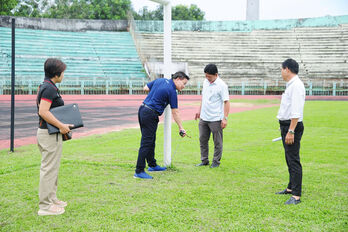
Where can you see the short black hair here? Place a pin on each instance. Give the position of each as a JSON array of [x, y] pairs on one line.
[[291, 64], [211, 69], [54, 67], [180, 75]]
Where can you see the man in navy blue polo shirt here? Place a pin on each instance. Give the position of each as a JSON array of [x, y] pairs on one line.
[[161, 93]]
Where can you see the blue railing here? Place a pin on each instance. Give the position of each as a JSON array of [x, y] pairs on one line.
[[129, 86]]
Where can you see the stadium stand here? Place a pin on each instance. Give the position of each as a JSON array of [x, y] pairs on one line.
[[90, 55], [322, 52], [248, 55]]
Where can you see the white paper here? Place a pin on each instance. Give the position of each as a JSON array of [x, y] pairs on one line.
[[276, 139]]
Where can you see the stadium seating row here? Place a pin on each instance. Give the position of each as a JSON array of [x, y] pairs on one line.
[[322, 52], [88, 55]]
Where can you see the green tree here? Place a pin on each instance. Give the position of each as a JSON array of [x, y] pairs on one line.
[[92, 9], [71, 9], [6, 6], [179, 12], [28, 8], [146, 14]]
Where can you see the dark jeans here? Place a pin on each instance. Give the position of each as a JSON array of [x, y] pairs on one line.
[[292, 156], [148, 121]]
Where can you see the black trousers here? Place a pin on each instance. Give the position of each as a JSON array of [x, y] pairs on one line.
[[292, 156], [148, 121]]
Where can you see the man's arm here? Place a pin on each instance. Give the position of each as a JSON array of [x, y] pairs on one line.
[[44, 112], [297, 103], [198, 114], [177, 118], [226, 112], [290, 137]]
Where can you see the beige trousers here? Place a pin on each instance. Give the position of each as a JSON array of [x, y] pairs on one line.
[[51, 150]]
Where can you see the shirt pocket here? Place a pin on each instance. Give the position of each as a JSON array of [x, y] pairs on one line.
[[286, 99], [214, 95]]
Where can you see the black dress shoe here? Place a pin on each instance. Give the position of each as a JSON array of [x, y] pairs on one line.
[[285, 191], [202, 164], [214, 165], [292, 201]]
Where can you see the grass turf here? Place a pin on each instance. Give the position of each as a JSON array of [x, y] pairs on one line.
[[96, 178]]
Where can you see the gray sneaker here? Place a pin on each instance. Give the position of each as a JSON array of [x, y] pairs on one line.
[[292, 201], [202, 164], [214, 165]]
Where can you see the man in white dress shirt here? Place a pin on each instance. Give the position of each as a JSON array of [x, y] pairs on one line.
[[290, 117], [213, 113]]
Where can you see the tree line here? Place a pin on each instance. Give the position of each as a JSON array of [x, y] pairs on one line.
[[93, 9]]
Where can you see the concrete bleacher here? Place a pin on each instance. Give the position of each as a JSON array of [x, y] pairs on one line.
[[89, 55], [322, 52], [248, 53]]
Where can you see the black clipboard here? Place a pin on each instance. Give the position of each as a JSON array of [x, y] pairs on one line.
[[67, 114]]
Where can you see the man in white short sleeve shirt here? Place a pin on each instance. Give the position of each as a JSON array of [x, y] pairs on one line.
[[290, 117], [213, 114]]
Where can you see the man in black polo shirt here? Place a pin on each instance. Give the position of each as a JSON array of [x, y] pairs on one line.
[[161, 93]]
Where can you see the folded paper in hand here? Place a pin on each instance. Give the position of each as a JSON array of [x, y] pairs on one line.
[[277, 139], [67, 114]]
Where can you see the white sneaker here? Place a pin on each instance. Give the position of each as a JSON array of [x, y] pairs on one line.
[[60, 203], [52, 210]]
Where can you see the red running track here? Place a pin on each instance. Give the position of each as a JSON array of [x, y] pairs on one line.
[[101, 113]]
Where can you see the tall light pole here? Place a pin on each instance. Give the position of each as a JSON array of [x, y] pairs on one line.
[[167, 59]]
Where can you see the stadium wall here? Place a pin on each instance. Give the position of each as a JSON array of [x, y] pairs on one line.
[[65, 24], [242, 26], [178, 25]]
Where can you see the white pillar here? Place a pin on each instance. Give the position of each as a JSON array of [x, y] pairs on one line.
[[167, 60], [167, 38]]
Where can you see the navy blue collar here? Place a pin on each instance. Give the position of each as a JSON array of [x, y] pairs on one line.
[[172, 81]]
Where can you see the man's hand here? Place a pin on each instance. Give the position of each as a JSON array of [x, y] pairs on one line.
[[197, 116], [289, 138], [65, 128], [223, 123], [182, 133], [146, 89]]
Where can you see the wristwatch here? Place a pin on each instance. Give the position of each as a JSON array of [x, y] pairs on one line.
[[226, 118], [291, 131]]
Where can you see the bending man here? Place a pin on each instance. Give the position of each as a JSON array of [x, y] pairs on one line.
[[161, 93]]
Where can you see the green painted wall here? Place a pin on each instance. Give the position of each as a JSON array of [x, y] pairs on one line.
[[243, 26]]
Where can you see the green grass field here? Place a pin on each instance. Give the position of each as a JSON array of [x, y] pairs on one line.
[[96, 178]]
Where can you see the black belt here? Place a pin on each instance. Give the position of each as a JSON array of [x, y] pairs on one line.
[[150, 108], [287, 122]]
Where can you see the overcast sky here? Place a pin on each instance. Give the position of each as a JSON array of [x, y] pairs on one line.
[[269, 9]]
